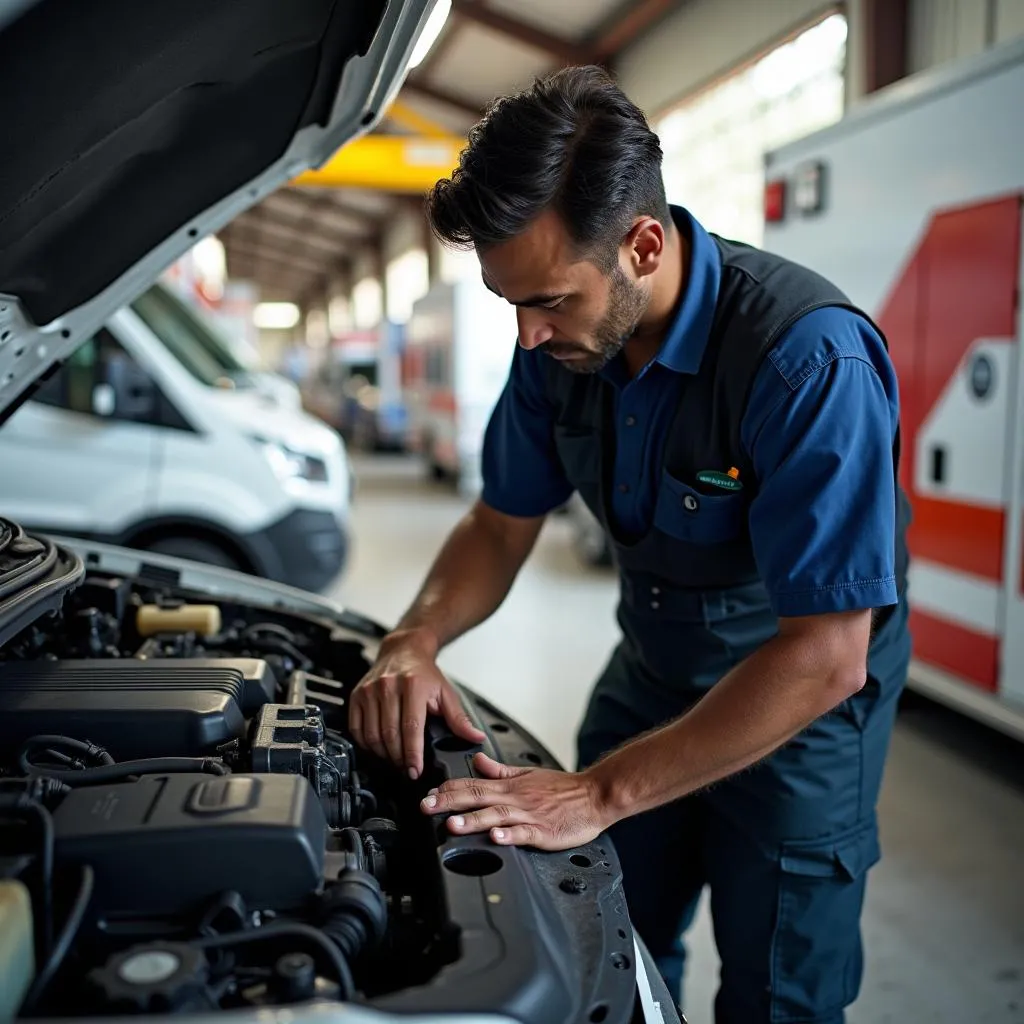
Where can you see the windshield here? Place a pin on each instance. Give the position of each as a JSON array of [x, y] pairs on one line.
[[191, 341]]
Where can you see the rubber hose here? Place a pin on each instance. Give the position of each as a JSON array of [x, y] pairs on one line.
[[284, 930], [357, 914], [124, 769], [56, 743], [67, 936], [24, 805]]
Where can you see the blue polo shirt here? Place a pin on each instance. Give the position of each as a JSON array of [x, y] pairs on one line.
[[819, 428]]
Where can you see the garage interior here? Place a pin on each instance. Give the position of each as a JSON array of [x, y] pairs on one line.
[[334, 283]]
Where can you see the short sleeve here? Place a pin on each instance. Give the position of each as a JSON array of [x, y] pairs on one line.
[[522, 474], [820, 428]]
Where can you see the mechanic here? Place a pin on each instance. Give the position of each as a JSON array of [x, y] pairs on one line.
[[733, 422]]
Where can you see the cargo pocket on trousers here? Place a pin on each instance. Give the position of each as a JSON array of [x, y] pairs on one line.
[[817, 958]]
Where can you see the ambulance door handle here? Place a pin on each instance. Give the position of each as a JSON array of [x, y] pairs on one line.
[[938, 464]]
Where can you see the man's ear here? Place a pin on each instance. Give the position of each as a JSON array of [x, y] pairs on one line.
[[645, 246]]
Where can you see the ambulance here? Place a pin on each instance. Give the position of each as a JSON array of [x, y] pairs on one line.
[[912, 205], [460, 341]]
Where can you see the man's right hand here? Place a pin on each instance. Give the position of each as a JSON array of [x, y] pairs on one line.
[[388, 710]]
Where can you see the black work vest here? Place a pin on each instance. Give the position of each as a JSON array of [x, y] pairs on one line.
[[699, 539]]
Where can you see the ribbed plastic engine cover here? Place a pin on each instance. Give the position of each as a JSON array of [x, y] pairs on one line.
[[134, 709], [169, 844]]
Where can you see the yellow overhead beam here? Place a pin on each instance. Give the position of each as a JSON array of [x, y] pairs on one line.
[[390, 163], [415, 121]]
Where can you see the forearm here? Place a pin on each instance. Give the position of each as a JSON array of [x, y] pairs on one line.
[[470, 577], [760, 705]]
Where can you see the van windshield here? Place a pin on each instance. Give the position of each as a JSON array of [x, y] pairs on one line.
[[192, 342]]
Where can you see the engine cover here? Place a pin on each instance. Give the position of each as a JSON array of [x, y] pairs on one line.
[[134, 709], [166, 844]]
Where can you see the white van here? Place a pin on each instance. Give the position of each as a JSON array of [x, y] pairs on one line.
[[183, 320], [153, 436]]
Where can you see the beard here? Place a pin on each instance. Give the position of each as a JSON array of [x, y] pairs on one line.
[[627, 304]]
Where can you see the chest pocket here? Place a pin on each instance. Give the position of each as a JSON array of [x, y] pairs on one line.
[[579, 450], [691, 515]]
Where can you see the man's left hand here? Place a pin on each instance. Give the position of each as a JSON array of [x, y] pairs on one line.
[[550, 810]]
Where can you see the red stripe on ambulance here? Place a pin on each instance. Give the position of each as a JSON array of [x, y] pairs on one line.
[[960, 285], [945, 644]]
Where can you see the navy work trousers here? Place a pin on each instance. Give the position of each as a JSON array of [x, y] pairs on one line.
[[784, 847]]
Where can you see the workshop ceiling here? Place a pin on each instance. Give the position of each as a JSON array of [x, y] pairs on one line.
[[295, 242]]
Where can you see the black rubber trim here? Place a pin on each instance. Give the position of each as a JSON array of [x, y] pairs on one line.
[[21, 608], [305, 549]]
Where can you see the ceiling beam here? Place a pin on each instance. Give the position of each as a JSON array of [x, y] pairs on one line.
[[388, 163], [343, 219], [305, 226], [326, 230], [626, 26], [296, 198], [271, 283], [314, 240], [372, 204], [479, 13], [404, 116], [267, 276], [254, 251], [329, 235], [339, 268], [432, 92], [636, 18], [441, 47]]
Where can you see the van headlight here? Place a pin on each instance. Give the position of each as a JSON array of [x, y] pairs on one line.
[[289, 464]]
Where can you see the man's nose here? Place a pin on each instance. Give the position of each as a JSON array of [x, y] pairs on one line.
[[534, 329]]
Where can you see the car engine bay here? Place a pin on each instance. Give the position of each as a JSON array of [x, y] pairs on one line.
[[185, 825]]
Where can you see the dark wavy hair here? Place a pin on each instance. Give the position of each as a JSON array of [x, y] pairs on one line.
[[573, 142]]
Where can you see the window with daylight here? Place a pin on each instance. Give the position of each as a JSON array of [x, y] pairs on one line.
[[367, 303], [714, 143], [407, 278]]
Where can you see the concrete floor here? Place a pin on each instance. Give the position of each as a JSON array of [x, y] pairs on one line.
[[944, 923]]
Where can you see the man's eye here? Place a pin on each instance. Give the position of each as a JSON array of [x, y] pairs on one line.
[[555, 304]]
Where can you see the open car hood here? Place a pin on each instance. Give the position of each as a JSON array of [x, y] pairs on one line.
[[135, 129]]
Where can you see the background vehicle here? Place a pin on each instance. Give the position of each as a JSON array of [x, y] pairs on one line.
[[460, 340], [152, 436], [912, 205], [356, 388], [182, 326]]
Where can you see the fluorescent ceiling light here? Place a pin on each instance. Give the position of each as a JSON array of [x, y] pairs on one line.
[[432, 29], [275, 316]]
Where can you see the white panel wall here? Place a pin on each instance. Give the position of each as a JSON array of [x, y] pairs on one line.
[[708, 38], [943, 30], [702, 41], [1009, 20]]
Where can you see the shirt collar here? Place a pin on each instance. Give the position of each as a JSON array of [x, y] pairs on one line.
[[683, 347]]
